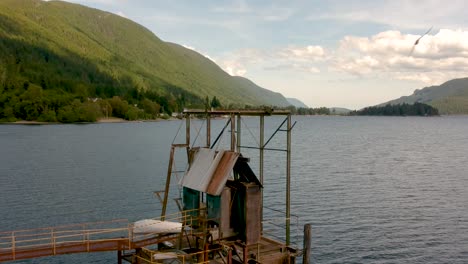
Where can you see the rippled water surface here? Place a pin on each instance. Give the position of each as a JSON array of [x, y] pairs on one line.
[[375, 189]]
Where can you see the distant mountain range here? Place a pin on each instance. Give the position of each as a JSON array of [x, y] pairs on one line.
[[296, 103], [80, 50], [450, 97], [339, 110]]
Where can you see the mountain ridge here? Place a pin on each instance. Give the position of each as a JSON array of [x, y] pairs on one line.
[[296, 103], [450, 97], [119, 53]]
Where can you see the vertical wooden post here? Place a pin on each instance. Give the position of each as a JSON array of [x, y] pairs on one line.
[[245, 253], [13, 245], [307, 244], [205, 253], [288, 182], [229, 257], [137, 256], [130, 236], [87, 241], [168, 183], [53, 241], [119, 256]]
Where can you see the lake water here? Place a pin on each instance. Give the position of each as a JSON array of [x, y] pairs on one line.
[[375, 189]]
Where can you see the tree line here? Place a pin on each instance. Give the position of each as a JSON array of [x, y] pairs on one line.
[[32, 102], [416, 109]]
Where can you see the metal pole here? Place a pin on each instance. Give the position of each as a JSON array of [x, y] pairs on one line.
[[233, 133], [288, 183], [187, 130], [187, 139], [239, 133], [262, 139], [307, 244], [262, 142], [208, 130]]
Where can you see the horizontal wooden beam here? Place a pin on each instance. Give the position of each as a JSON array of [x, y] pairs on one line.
[[257, 112]]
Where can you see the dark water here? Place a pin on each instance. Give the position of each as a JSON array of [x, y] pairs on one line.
[[376, 190]]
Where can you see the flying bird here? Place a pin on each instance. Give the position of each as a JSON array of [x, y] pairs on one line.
[[417, 41]]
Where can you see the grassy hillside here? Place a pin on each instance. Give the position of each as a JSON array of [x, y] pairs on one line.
[[449, 98], [81, 51]]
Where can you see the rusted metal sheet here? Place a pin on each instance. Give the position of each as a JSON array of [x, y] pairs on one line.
[[222, 172], [210, 171]]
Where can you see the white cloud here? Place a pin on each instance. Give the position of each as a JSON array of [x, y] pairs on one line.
[[302, 53], [314, 70], [202, 53], [120, 13], [438, 57], [234, 68], [237, 62], [188, 47], [291, 58], [435, 59]]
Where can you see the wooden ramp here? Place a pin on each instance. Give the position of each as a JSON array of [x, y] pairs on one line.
[[91, 237]]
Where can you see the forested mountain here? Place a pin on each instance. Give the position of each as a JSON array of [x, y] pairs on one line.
[[404, 109], [449, 98], [54, 53]]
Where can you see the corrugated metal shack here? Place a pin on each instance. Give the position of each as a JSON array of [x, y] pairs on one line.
[[232, 191]]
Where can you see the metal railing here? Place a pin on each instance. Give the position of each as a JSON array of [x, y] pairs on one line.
[[85, 237], [200, 257], [274, 226], [121, 235]]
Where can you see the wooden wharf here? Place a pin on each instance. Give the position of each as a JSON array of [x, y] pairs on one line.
[[34, 243], [232, 198]]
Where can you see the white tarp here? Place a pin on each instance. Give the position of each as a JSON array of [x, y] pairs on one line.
[[152, 226]]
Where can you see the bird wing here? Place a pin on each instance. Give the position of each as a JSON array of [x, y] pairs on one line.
[[417, 41], [429, 30]]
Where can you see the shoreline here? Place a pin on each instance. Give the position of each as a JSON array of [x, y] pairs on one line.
[[115, 120], [111, 120]]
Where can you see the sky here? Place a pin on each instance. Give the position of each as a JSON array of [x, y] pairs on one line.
[[348, 54]]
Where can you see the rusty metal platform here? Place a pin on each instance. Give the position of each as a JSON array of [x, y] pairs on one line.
[[34, 243]]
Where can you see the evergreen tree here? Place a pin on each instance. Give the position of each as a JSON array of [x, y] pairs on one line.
[[215, 102]]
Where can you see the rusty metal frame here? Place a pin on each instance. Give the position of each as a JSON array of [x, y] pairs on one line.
[[236, 146]]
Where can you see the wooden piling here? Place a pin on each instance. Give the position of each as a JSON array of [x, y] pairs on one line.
[[119, 256], [307, 244], [229, 257]]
